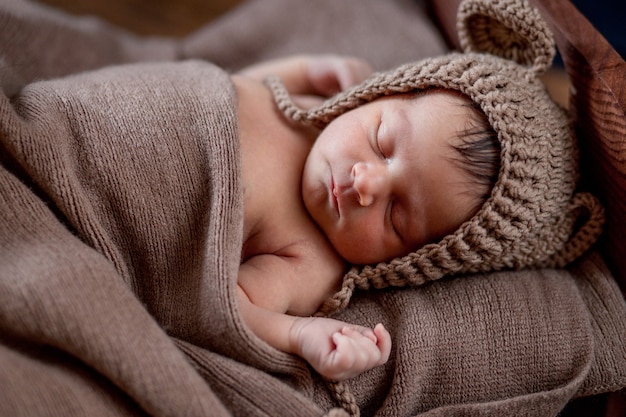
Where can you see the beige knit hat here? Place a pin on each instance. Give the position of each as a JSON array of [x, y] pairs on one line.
[[533, 217]]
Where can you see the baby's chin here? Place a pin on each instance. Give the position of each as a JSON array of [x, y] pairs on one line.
[[352, 255]]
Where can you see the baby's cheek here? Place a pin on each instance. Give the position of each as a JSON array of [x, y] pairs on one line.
[[362, 245]]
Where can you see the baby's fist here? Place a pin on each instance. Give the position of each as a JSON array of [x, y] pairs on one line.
[[338, 350]]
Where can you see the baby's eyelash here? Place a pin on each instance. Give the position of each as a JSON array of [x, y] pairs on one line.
[[380, 149]]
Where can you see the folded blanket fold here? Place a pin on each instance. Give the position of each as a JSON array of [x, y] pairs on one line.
[[121, 229]]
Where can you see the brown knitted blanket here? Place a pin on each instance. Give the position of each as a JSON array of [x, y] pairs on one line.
[[120, 240], [121, 227]]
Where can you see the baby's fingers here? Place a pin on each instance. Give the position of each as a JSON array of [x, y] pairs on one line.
[[357, 350], [352, 71], [350, 357], [380, 337], [358, 331], [383, 342], [330, 74]]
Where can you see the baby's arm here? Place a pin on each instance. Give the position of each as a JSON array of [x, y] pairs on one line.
[[335, 349], [320, 75]]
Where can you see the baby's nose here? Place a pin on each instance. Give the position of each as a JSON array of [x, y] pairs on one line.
[[369, 181]]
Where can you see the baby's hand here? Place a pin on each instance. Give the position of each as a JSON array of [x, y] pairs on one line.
[[330, 74], [338, 350]]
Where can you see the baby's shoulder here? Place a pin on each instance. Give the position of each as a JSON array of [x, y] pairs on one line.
[[288, 231], [298, 270]]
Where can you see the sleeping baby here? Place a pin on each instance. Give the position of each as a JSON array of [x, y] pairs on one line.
[[378, 182], [455, 164]]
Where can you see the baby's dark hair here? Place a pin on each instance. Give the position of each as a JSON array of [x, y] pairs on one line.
[[478, 155]]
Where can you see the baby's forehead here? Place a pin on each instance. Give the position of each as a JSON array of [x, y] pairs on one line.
[[445, 101], [458, 105], [430, 93]]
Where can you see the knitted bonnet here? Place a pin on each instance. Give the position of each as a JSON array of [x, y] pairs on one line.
[[533, 216]]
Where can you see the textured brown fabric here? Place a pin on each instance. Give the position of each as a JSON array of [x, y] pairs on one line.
[[119, 241], [483, 344]]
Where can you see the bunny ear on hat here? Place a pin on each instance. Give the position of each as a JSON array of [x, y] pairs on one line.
[[510, 29]]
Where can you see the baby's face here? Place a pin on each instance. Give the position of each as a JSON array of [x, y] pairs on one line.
[[380, 180]]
